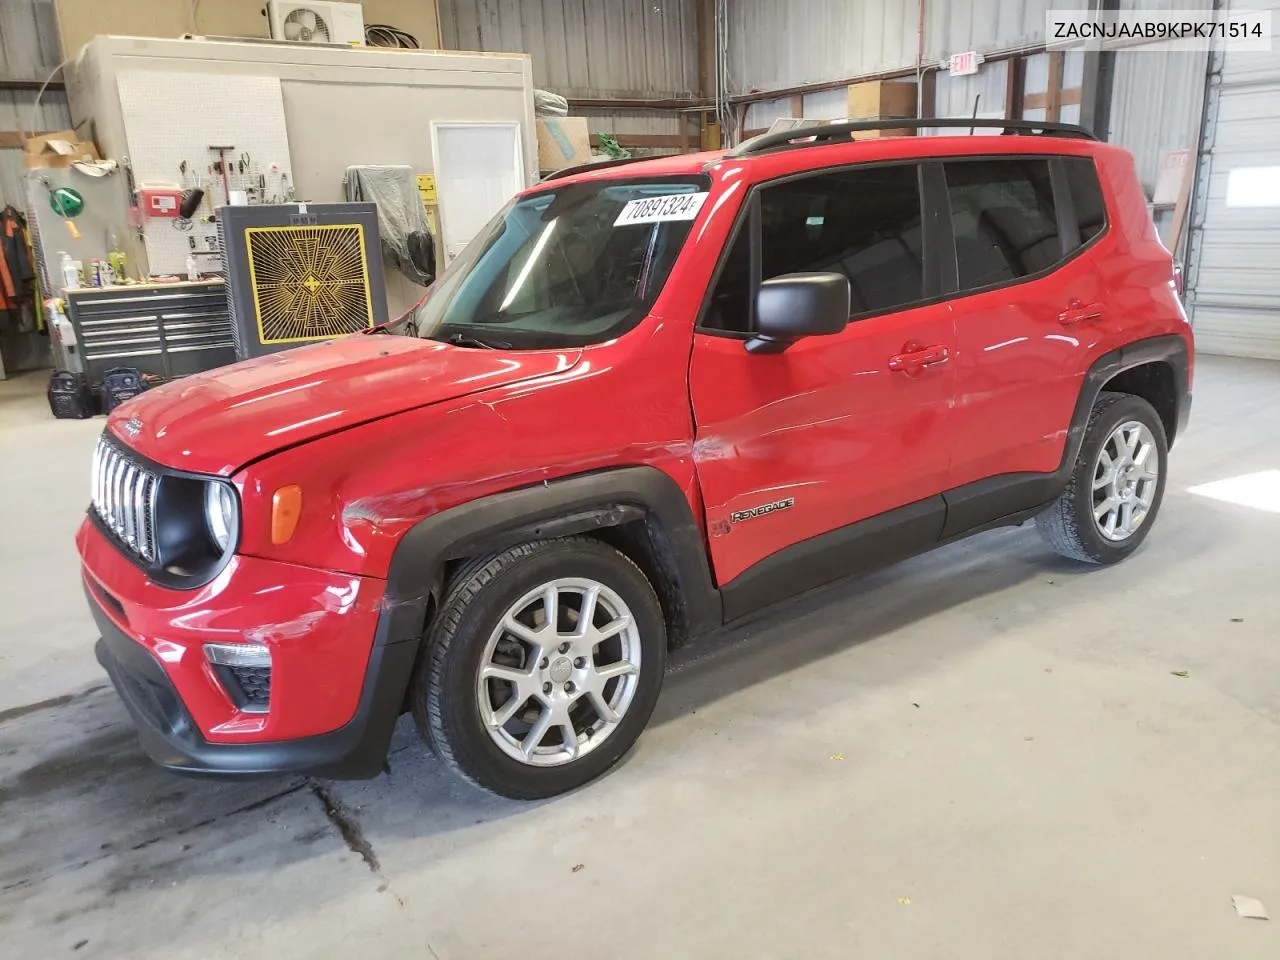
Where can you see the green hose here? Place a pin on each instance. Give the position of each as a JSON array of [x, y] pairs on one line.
[[610, 146]]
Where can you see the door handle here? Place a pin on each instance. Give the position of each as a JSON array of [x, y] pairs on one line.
[[915, 357], [1078, 312]]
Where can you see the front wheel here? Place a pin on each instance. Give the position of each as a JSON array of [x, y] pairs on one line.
[[1116, 485], [544, 665]]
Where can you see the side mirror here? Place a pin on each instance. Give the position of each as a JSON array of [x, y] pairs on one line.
[[797, 305]]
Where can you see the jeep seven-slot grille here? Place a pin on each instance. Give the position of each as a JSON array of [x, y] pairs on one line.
[[124, 498]]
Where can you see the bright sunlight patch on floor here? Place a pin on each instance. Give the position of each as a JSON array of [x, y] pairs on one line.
[[1258, 490]]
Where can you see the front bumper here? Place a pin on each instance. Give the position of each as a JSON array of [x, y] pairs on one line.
[[340, 664], [170, 737]]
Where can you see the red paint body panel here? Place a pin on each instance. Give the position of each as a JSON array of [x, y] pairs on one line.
[[362, 489], [1020, 367], [216, 421], [826, 422], [381, 432], [1019, 370], [319, 627], [1136, 271]]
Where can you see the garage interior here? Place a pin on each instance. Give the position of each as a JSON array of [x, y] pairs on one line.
[[987, 750]]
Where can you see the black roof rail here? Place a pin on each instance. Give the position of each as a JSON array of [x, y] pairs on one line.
[[596, 165], [839, 132]]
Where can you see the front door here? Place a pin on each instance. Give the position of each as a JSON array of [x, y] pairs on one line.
[[793, 448]]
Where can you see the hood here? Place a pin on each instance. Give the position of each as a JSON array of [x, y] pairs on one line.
[[217, 421]]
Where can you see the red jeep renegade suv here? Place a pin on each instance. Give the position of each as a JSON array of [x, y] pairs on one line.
[[651, 397]]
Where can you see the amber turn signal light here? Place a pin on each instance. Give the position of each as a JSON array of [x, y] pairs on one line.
[[286, 508]]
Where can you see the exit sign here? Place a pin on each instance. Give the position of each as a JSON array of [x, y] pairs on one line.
[[963, 64]]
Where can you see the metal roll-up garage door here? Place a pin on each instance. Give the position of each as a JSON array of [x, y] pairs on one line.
[[1234, 261]]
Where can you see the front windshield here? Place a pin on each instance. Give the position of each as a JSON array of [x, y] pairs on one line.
[[565, 267]]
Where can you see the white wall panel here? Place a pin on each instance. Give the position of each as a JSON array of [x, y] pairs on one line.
[[763, 112], [827, 104]]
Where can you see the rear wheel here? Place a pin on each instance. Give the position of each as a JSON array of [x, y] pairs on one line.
[[1117, 484], [544, 665]]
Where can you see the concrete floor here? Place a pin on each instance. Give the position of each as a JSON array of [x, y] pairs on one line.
[[981, 753]]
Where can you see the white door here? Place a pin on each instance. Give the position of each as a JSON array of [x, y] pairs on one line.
[[479, 167], [1233, 284]]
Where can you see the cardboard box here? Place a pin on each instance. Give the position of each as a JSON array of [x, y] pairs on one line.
[[563, 142], [888, 132], [60, 149], [882, 100]]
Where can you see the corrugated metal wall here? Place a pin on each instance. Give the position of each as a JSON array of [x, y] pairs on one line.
[[773, 45], [28, 38], [776, 45], [16, 114], [28, 51], [1157, 97], [586, 48], [1155, 106], [648, 48], [983, 91], [987, 26], [640, 123]]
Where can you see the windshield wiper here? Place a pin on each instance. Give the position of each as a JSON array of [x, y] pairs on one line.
[[466, 340]]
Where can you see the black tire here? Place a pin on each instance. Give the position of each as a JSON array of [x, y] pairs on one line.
[[444, 701], [1068, 524]]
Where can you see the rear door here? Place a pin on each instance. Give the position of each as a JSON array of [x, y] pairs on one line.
[[1029, 308], [836, 429]]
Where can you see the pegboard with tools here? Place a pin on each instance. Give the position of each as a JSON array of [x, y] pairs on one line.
[[224, 135]]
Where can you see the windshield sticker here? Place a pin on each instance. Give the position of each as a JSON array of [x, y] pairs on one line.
[[676, 206]]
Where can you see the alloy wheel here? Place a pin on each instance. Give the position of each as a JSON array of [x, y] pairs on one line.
[[559, 672], [1125, 477]]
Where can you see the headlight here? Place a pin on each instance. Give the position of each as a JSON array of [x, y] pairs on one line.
[[221, 514]]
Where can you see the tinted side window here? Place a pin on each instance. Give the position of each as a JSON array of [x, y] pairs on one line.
[[1086, 196], [864, 223], [1004, 220], [730, 307]]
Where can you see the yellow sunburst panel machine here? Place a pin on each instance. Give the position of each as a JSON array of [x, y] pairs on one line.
[[300, 273]]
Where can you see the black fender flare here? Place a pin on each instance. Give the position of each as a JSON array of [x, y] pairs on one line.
[[1170, 349], [556, 508], [1015, 497]]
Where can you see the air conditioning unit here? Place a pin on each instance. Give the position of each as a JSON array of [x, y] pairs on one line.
[[316, 21]]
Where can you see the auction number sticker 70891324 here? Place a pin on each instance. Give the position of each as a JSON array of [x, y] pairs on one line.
[[676, 206]]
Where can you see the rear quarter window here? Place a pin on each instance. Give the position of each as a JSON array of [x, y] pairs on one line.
[[1086, 197]]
